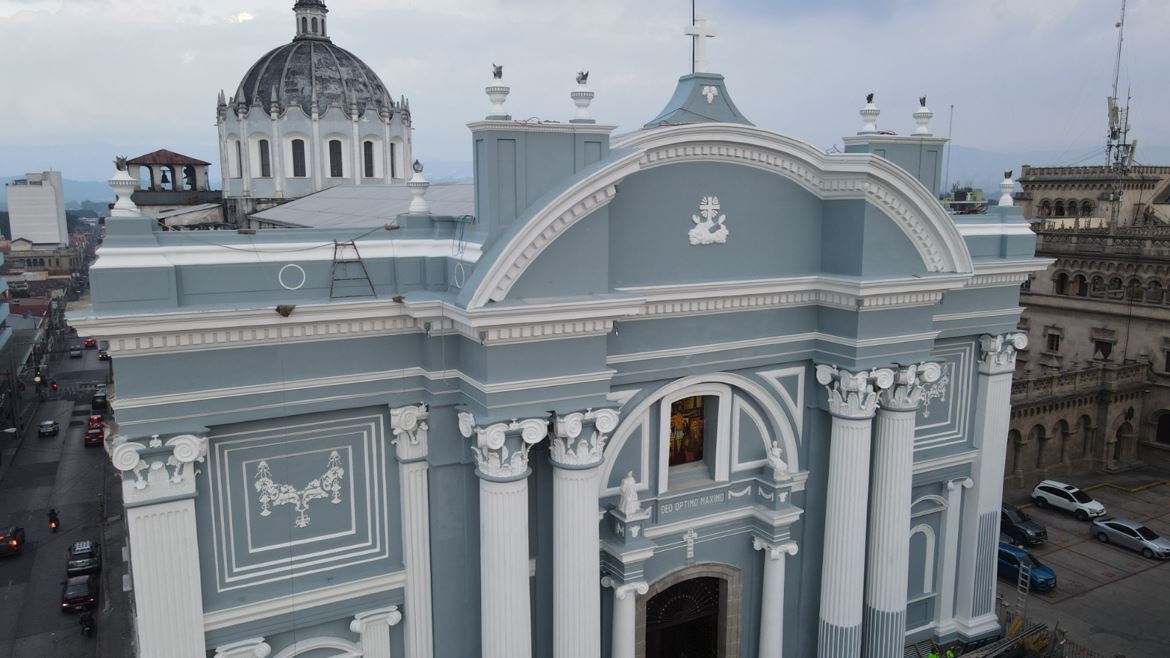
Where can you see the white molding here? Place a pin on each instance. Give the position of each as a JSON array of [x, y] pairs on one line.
[[348, 649], [722, 430], [738, 405], [795, 407], [277, 252], [302, 600], [765, 516], [977, 230], [930, 557], [641, 425], [856, 175], [692, 350], [928, 465], [541, 126], [975, 315]]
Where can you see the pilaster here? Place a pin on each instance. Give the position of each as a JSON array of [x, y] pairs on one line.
[[853, 399], [374, 628], [501, 457], [409, 425], [158, 490], [772, 603], [979, 533], [945, 611], [576, 447], [887, 568]]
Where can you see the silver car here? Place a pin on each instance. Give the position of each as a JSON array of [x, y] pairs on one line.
[[1133, 535]]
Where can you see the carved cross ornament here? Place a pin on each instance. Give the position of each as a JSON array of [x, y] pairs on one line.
[[853, 394], [409, 425], [998, 353], [709, 225], [496, 456], [909, 386], [571, 444], [185, 449]]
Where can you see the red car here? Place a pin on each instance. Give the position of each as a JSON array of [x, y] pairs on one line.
[[94, 437], [94, 423], [90, 343]]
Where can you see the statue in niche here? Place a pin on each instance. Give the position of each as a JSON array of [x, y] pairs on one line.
[[776, 461], [629, 504]]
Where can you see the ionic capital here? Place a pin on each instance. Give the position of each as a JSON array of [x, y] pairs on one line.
[[409, 425], [853, 394], [998, 353], [254, 647], [622, 590], [366, 621], [127, 457], [964, 482], [909, 387], [574, 445], [501, 449], [775, 551]]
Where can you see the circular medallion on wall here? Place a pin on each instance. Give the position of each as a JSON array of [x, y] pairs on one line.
[[291, 277]]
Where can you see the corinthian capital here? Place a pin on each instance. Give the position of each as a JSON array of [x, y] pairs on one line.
[[998, 353], [909, 386], [853, 394], [409, 425], [575, 445], [501, 449]]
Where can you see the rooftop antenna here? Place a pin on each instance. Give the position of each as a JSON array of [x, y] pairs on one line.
[[694, 40], [950, 147], [1118, 150]]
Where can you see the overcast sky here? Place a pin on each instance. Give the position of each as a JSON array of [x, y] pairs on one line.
[[84, 80]]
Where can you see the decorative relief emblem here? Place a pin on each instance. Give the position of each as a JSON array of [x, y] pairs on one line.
[[710, 93], [937, 390], [690, 538], [327, 486], [709, 227]]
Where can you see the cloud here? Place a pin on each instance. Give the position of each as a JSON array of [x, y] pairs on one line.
[[240, 17]]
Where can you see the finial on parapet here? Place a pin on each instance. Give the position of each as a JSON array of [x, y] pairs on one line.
[[1006, 187], [922, 117], [582, 96], [418, 186], [497, 92], [869, 115]]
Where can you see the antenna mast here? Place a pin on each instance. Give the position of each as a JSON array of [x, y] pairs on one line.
[[1118, 149]]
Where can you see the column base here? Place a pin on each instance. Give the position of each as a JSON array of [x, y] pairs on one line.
[[885, 632], [835, 641], [976, 627]]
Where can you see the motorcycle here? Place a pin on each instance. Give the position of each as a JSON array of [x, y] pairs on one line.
[[87, 624], [53, 520]]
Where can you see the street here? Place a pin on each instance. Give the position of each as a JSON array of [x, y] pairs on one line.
[[60, 472]]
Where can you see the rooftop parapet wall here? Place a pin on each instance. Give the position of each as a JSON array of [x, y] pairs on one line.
[[1037, 174], [1077, 382], [1144, 241]]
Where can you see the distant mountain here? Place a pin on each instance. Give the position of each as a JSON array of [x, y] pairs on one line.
[[75, 190]]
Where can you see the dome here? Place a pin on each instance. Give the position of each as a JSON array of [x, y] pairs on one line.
[[312, 65]]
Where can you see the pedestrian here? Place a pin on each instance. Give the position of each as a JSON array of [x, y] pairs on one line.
[[933, 652], [950, 651]]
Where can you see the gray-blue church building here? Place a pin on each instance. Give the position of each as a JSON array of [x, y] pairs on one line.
[[697, 389]]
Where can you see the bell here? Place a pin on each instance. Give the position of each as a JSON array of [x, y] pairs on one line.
[[165, 179]]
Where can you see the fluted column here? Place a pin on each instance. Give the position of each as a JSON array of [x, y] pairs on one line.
[[979, 534], [772, 603], [373, 626], [853, 399], [624, 615], [158, 492], [576, 448], [888, 565], [501, 457], [945, 610], [410, 438]]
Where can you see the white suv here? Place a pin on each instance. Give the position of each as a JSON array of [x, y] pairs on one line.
[[1068, 498]]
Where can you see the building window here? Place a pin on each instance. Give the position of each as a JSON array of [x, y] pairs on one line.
[[265, 159], [298, 158], [368, 158], [239, 168], [1102, 349], [393, 160], [1163, 435], [1053, 342], [304, 25], [687, 423], [1060, 284], [336, 168], [314, 26]]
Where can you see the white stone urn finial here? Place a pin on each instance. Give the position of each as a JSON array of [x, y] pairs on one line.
[[582, 96], [123, 186], [497, 92], [1005, 189], [869, 115], [418, 188], [922, 117]]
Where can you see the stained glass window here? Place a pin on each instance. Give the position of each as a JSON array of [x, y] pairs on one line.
[[686, 430]]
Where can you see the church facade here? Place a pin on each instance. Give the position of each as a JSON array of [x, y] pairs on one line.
[[308, 115], [699, 385]]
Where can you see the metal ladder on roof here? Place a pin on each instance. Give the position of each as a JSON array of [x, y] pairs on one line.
[[348, 268], [1023, 586]]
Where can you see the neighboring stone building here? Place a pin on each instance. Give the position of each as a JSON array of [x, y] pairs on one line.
[[24, 256], [36, 209], [307, 116], [629, 405], [1067, 194], [176, 189]]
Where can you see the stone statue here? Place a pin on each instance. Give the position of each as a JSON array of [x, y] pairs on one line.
[[417, 166], [582, 77], [1007, 175], [922, 101], [869, 97], [776, 461], [120, 162], [498, 71], [629, 504]]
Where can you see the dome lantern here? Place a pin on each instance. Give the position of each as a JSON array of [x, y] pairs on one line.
[[310, 16]]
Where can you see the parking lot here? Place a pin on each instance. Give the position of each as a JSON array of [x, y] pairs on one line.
[[1108, 598]]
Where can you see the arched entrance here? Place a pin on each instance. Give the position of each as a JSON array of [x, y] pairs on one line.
[[693, 612], [684, 620]]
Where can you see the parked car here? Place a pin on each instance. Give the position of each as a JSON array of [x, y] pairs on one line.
[[99, 402], [75, 352], [1042, 578], [11, 540], [94, 437], [1132, 535], [79, 593], [1068, 498], [103, 355], [1020, 527], [90, 343], [94, 422], [48, 428], [84, 557]]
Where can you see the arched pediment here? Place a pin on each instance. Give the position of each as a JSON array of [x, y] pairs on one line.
[[876, 180]]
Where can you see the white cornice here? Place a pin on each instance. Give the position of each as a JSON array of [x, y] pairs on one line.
[[542, 126], [302, 600], [277, 252], [694, 350], [996, 273], [974, 230]]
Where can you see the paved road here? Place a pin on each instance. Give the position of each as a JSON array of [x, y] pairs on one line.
[[1110, 600], [59, 472]]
